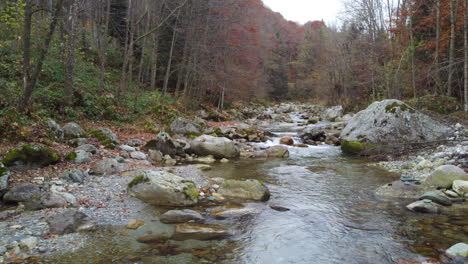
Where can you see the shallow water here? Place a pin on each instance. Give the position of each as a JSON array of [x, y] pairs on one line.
[[334, 218]]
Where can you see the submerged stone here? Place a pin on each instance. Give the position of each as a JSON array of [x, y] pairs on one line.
[[199, 232]]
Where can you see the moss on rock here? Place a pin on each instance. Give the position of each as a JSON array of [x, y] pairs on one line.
[[71, 156], [355, 147], [104, 139], [137, 180], [31, 155], [191, 192], [393, 107]]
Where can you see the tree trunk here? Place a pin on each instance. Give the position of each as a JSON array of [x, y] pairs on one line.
[[465, 29], [70, 26], [27, 44], [171, 52], [437, 48], [453, 24]]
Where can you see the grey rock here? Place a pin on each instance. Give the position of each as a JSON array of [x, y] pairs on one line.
[[30, 157], [28, 243], [216, 146], [244, 190], [313, 134], [163, 188], [333, 113], [180, 216], [76, 142], [88, 148], [4, 177], [127, 148], [182, 126], [389, 123], [277, 152], [199, 232], [460, 187], [73, 175], [458, 250], [82, 157], [54, 130], [436, 198], [424, 206], [155, 155], [444, 176], [106, 136], [107, 167], [134, 142], [232, 211], [53, 200], [138, 155], [67, 222], [165, 145], [3, 250], [22, 193], [73, 130]]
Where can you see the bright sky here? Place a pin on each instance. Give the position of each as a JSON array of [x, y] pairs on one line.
[[302, 11]]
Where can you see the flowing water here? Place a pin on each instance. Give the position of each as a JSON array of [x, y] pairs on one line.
[[334, 218]]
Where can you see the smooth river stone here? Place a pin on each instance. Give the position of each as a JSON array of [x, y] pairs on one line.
[[199, 232]]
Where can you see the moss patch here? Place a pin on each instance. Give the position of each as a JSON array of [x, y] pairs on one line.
[[137, 180], [71, 156], [355, 147], [3, 170], [191, 192], [393, 107], [102, 137], [31, 155]]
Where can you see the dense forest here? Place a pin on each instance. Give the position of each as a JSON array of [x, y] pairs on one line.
[[111, 58]]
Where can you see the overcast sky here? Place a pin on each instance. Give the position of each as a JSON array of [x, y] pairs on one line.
[[302, 11]]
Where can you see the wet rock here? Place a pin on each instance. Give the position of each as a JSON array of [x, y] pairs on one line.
[[73, 130], [105, 136], [88, 148], [460, 187], [216, 146], [204, 167], [4, 177], [165, 145], [54, 130], [180, 216], [199, 232], [458, 250], [67, 222], [436, 198], [389, 124], [138, 155], [107, 167], [444, 176], [163, 188], [244, 190], [73, 175], [333, 113], [287, 141], [127, 148], [134, 224], [208, 159], [279, 208], [313, 134], [31, 157], [424, 206], [451, 194], [182, 126], [277, 152], [232, 211], [224, 160], [153, 239], [135, 142], [22, 193]]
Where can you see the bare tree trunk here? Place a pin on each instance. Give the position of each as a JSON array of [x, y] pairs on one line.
[[412, 47], [27, 44], [43, 53], [436, 61], [171, 52], [453, 24], [465, 29], [70, 26]]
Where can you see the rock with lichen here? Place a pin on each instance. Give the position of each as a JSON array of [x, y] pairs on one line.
[[105, 136], [30, 157]]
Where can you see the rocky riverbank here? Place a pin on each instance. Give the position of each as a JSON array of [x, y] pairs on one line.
[[81, 181]]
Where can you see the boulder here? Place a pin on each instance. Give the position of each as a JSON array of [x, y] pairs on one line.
[[78, 156], [458, 250], [165, 145], [67, 222], [389, 124], [22, 193], [31, 157], [4, 177], [287, 141], [105, 136], [444, 176], [76, 142], [73, 130], [313, 134], [107, 167], [244, 190], [199, 232], [73, 175], [219, 147], [155, 155], [460, 187], [436, 198], [135, 142], [424, 206], [180, 216], [52, 200], [182, 126], [127, 148], [138, 155], [88, 148], [333, 113], [54, 130], [163, 188]]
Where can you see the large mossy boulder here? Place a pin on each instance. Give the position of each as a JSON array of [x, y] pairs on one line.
[[166, 145], [4, 177], [105, 136], [30, 157], [163, 188], [73, 130], [248, 190], [389, 124], [182, 126], [219, 147], [445, 175]]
